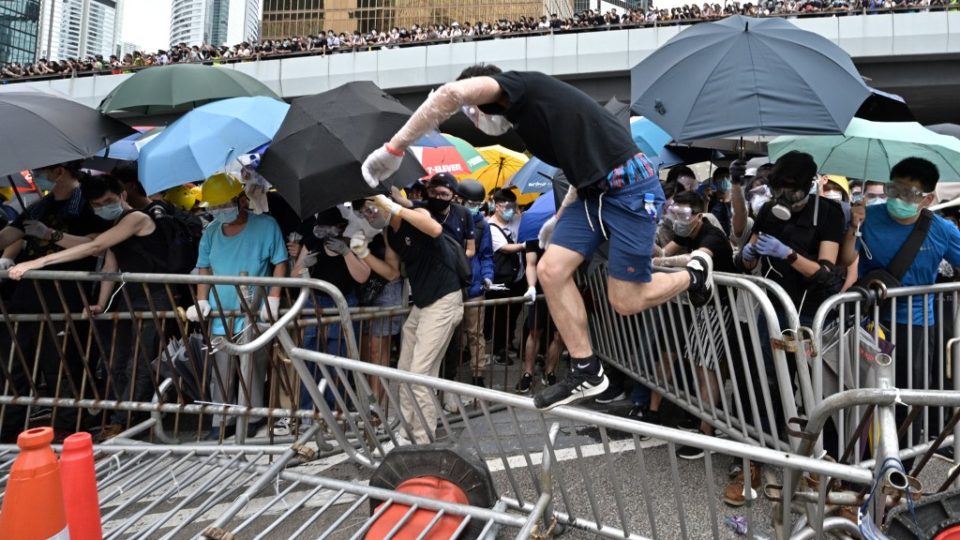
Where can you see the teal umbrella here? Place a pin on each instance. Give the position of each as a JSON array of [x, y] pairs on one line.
[[868, 150]]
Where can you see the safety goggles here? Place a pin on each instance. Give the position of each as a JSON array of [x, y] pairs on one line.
[[681, 214], [904, 193]]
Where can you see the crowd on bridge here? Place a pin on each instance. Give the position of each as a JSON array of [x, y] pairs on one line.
[[330, 42]]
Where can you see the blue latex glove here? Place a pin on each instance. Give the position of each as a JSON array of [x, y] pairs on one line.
[[749, 252], [769, 246]]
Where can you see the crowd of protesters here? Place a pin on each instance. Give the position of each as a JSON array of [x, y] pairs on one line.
[[328, 42]]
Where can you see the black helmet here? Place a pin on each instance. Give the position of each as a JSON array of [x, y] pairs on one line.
[[471, 190]]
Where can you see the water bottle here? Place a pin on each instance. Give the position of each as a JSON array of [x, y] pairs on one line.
[[650, 206]]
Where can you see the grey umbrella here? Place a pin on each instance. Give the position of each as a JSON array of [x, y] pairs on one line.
[[747, 76]]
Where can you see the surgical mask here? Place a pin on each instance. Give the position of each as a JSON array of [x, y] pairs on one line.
[[901, 209], [757, 202], [508, 214], [379, 222], [833, 195], [225, 215], [682, 228], [437, 206], [323, 232], [725, 185], [109, 212], [876, 200], [42, 182], [491, 124], [474, 208]]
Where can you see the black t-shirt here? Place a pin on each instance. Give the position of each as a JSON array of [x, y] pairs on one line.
[[711, 238], [457, 224], [803, 237], [70, 216], [431, 275], [330, 269], [283, 213], [563, 126]]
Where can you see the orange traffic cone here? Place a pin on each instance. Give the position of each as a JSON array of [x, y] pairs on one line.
[[79, 480], [33, 504]]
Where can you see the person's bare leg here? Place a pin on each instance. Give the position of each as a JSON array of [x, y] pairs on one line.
[[631, 297], [710, 390], [553, 354], [555, 272], [531, 348]]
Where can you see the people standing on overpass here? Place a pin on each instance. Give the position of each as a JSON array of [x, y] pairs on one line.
[[615, 195]]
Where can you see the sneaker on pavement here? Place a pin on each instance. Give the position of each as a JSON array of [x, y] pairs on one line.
[[735, 493], [548, 379], [689, 452], [526, 382], [610, 395], [502, 359], [281, 428], [700, 268], [652, 417], [689, 423], [576, 386]]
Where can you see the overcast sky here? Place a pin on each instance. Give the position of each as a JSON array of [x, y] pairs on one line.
[[147, 23]]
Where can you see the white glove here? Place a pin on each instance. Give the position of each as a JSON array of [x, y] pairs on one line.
[[6, 263], [37, 229], [570, 198], [385, 203], [380, 165], [310, 259], [487, 284], [256, 191], [546, 231], [202, 306], [358, 244], [530, 295], [273, 305], [498, 287]]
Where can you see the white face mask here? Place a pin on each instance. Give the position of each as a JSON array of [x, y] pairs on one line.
[[491, 124], [833, 196]]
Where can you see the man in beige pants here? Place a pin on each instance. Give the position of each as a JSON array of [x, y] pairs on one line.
[[414, 237]]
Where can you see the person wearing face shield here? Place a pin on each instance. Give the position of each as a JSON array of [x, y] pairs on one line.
[[508, 271], [135, 243], [615, 195], [327, 256], [412, 236], [885, 230], [692, 232], [61, 219], [237, 242]]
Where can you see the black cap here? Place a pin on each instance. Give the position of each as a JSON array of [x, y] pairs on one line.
[[443, 179]]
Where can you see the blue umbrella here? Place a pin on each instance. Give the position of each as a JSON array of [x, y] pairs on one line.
[[534, 177], [128, 148], [206, 139], [533, 219], [649, 137]]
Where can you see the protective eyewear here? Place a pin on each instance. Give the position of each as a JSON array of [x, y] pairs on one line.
[[904, 193], [682, 214], [790, 195]]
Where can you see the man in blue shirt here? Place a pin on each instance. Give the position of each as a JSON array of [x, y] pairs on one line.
[[237, 243], [885, 228]]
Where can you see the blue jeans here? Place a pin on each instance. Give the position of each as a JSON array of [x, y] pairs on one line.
[[333, 343]]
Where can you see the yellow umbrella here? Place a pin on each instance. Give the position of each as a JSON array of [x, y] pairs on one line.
[[502, 164]]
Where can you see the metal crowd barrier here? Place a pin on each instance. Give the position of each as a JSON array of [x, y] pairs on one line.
[[664, 348], [851, 330]]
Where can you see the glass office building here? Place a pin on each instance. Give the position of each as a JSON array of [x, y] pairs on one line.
[[19, 30]]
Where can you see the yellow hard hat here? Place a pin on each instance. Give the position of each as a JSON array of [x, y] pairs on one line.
[[7, 193], [183, 197], [840, 181], [219, 189]]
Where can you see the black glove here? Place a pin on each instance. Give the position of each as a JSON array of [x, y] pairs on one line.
[[737, 170]]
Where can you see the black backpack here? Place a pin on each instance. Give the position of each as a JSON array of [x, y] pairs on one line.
[[181, 231], [506, 266], [456, 259]]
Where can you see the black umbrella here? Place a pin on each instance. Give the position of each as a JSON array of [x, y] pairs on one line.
[[952, 130], [314, 160], [885, 107], [39, 130], [619, 109]]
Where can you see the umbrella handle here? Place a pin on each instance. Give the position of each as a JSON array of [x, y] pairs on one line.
[[16, 191]]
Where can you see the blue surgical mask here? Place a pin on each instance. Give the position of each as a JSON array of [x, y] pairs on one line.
[[474, 210], [109, 212], [508, 214], [725, 185], [224, 216], [42, 182], [901, 209]]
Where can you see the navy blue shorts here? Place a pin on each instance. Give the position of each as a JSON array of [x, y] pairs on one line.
[[617, 215]]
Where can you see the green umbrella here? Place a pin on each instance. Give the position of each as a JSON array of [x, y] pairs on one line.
[[471, 157], [868, 150], [179, 88]]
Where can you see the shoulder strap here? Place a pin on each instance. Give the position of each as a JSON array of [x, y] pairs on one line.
[[908, 251]]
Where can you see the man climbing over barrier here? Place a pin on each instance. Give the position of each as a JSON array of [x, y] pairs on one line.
[[615, 195]]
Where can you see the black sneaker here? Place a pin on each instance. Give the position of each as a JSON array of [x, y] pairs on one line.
[[700, 269], [945, 452], [479, 381], [610, 395], [548, 379], [502, 359], [652, 417], [689, 423], [525, 383], [689, 452], [576, 386], [637, 412]]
